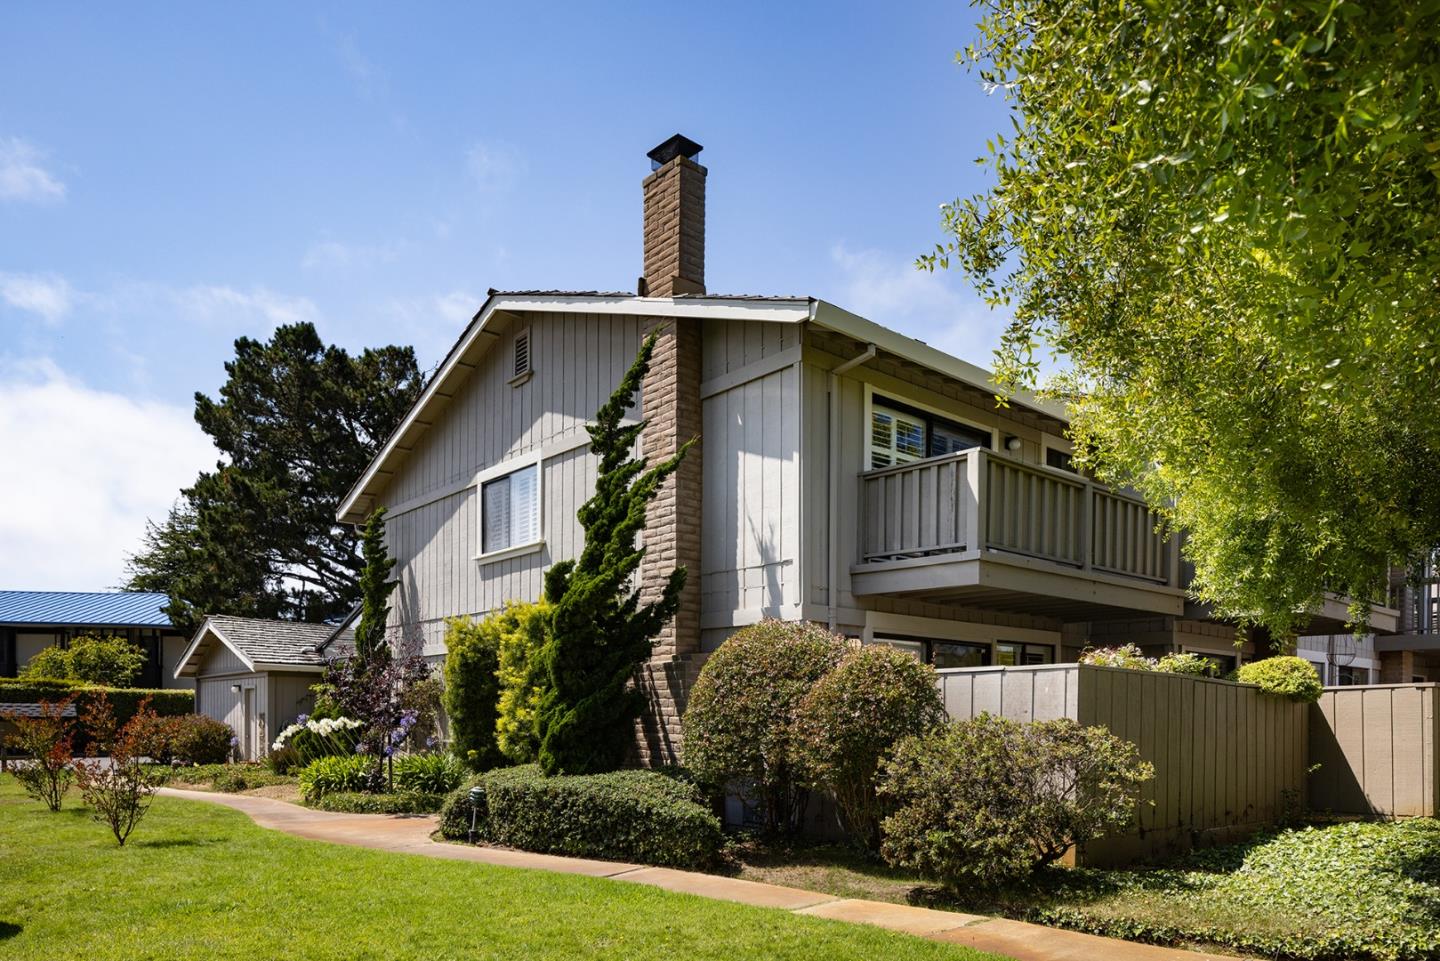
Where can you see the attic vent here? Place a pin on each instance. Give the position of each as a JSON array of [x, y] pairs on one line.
[[522, 369]]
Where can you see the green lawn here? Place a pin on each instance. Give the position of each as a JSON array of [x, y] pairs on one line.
[[198, 881]]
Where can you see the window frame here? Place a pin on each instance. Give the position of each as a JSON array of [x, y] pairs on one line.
[[906, 403], [498, 471]]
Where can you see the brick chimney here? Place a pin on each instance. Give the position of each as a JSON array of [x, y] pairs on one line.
[[674, 264], [674, 221]]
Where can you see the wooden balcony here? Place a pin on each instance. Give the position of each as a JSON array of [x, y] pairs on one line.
[[983, 529]]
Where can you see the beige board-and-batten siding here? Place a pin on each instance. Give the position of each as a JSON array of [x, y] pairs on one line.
[[1228, 759], [1376, 747]]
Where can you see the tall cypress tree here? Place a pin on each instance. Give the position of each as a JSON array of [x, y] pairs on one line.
[[599, 633], [375, 590]]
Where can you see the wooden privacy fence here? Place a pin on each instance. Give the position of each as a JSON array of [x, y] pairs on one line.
[[1376, 750], [1228, 759]]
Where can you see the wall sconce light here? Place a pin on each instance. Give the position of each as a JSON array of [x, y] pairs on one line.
[[1012, 443], [234, 688]]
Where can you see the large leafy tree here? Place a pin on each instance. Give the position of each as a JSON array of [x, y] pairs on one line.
[[297, 421], [1224, 218], [599, 632]]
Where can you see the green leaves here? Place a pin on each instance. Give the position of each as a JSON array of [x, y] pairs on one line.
[[1201, 209]]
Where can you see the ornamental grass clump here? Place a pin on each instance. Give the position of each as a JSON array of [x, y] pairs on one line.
[[1126, 656], [740, 723], [852, 719], [988, 801], [48, 742]]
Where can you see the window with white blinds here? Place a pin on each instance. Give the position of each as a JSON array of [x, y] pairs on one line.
[[895, 437], [510, 510]]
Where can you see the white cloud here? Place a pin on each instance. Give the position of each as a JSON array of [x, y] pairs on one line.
[[933, 307], [46, 295], [71, 520], [337, 256], [215, 303], [22, 178], [494, 167]]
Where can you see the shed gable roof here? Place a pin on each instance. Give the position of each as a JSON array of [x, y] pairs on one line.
[[263, 644]]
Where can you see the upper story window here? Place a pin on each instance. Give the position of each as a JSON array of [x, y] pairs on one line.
[[510, 510], [900, 434], [1060, 460]]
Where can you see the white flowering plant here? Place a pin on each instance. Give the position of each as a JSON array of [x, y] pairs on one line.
[[312, 738]]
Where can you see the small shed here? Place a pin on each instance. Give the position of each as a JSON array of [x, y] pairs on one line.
[[255, 674]]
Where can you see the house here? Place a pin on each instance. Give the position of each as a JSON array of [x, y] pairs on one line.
[[1409, 654], [31, 621], [256, 674], [846, 474]]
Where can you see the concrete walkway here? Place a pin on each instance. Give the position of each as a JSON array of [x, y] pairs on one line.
[[411, 835]]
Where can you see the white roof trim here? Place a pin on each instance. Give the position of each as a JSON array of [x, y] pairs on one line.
[[208, 628], [841, 321]]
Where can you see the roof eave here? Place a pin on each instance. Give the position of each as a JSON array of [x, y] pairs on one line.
[[207, 627]]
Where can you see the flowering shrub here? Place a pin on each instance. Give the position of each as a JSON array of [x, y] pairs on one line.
[[987, 801], [48, 740], [326, 727], [740, 722], [1292, 678], [113, 779], [854, 716], [311, 738], [1127, 656], [384, 694]]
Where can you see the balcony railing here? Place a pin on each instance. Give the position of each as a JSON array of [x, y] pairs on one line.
[[981, 501]]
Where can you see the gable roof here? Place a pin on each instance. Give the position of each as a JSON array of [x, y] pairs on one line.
[[475, 341], [84, 608], [262, 644]]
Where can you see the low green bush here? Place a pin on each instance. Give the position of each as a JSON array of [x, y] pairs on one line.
[[228, 778], [988, 801], [1193, 665], [437, 774], [187, 738], [649, 817], [1292, 678], [739, 724], [336, 774], [399, 802], [851, 720], [1364, 891]]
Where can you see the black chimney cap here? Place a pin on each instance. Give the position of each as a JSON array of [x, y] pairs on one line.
[[677, 146]]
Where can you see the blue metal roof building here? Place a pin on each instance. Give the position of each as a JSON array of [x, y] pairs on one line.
[[83, 609]]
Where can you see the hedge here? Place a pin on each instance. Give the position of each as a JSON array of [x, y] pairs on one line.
[[356, 802], [169, 702], [648, 817]]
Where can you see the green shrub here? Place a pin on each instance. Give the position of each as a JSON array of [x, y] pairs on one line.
[[739, 724], [90, 659], [851, 720], [330, 775], [455, 811], [989, 800], [124, 702], [1292, 678], [521, 635], [400, 802], [1193, 665], [202, 740], [648, 817], [1126, 656], [428, 773], [472, 690], [234, 778]]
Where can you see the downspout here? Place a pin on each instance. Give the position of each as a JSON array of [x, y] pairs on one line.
[[832, 577]]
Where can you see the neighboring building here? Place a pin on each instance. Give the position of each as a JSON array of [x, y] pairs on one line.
[[846, 474], [255, 675], [31, 621]]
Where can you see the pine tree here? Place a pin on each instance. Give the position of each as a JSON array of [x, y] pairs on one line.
[[376, 587], [599, 633]]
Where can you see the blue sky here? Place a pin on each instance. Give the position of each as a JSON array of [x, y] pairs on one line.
[[175, 176]]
